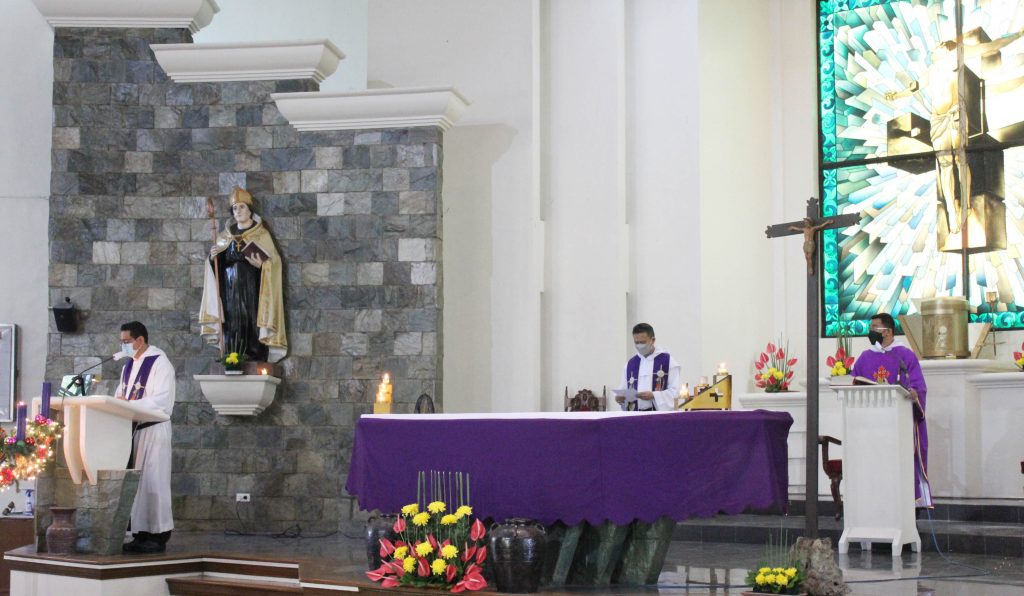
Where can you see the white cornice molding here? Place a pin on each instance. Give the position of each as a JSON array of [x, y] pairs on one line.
[[373, 108], [254, 61], [148, 14]]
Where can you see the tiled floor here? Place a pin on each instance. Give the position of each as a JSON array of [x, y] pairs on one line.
[[691, 567]]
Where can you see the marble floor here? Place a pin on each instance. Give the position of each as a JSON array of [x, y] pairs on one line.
[[690, 567]]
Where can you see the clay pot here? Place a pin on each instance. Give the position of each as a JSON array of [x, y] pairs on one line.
[[62, 534], [377, 527], [517, 554]]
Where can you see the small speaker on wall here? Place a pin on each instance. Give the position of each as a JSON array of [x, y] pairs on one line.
[[65, 316]]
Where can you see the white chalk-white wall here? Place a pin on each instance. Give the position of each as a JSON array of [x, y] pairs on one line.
[[341, 21], [26, 72]]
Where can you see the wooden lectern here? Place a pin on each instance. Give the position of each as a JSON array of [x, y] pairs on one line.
[[878, 467], [98, 433]]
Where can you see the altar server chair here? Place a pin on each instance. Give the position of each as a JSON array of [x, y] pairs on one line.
[[833, 469], [584, 401]]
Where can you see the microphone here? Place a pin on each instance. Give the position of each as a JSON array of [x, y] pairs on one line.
[[79, 381]]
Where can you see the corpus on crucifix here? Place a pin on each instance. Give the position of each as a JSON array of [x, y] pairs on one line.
[[810, 227]]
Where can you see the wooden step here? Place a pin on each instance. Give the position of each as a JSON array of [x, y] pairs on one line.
[[199, 585]]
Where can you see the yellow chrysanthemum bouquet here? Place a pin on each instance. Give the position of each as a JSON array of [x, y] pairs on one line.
[[439, 544], [777, 573], [234, 356]]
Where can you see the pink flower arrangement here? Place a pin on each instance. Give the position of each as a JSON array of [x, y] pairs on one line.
[[774, 369]]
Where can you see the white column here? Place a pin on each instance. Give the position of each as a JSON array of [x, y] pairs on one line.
[[663, 200], [583, 194]]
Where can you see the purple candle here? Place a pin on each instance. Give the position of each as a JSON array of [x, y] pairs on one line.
[[22, 414], [44, 408]]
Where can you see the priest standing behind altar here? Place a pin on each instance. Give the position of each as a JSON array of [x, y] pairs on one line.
[[652, 373], [886, 362], [149, 378]]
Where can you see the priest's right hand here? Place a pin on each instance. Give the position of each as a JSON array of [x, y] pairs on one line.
[[620, 398]]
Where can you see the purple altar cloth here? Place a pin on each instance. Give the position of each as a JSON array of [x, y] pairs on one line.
[[616, 468]]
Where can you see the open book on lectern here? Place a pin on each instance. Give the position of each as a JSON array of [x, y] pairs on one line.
[[848, 380]]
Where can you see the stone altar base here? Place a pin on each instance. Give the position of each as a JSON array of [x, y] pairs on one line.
[[103, 509], [590, 555]]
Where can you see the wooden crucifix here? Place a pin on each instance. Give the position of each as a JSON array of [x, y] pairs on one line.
[[810, 226]]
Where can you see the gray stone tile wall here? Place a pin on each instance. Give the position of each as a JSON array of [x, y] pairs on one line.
[[355, 215]]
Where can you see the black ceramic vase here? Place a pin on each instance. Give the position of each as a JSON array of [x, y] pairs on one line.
[[517, 554], [377, 527]]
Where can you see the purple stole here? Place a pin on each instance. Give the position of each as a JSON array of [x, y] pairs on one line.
[[139, 388], [661, 362]]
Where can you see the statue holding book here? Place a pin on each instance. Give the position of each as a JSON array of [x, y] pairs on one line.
[[243, 306]]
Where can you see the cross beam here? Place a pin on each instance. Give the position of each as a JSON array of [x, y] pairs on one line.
[[809, 227]]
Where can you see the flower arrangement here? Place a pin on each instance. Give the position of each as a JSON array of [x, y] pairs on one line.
[[841, 364], [436, 547], [25, 459], [776, 580], [1018, 358], [774, 369], [786, 576], [234, 356]]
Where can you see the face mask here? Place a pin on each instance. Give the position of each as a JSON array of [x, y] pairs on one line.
[[644, 349], [875, 337], [127, 350]]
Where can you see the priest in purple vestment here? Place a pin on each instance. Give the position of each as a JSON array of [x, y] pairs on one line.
[[652, 373], [885, 362]]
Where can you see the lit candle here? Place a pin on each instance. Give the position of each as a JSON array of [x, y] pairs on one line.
[[721, 369], [685, 390], [263, 371], [384, 389], [22, 415], [703, 381], [44, 408]]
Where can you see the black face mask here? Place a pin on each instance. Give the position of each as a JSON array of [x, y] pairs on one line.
[[875, 337]]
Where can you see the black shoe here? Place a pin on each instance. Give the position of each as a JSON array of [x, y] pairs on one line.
[[144, 546]]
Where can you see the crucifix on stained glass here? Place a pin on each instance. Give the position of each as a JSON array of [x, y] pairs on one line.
[[922, 131]]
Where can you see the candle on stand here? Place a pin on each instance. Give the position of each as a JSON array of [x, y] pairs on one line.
[[263, 371], [721, 369], [382, 404], [44, 406], [22, 415], [685, 390]]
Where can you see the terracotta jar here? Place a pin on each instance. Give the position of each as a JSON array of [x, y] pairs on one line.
[[62, 534]]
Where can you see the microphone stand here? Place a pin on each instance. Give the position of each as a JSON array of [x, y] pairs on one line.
[[79, 381]]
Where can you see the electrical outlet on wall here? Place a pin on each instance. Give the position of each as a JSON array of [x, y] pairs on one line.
[[243, 497]]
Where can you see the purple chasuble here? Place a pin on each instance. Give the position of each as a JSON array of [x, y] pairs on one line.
[[901, 365], [661, 362], [137, 390]]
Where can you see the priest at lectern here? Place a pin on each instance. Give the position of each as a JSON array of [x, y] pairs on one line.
[[886, 363], [149, 377]]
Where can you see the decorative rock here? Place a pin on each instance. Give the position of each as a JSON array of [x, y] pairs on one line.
[[824, 578]]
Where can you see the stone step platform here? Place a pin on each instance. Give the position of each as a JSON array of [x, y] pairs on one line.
[[983, 527], [215, 586]]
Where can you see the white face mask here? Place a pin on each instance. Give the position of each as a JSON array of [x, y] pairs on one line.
[[127, 350], [644, 349]]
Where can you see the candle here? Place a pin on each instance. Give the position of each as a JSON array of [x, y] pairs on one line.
[[263, 371], [22, 415], [685, 390], [384, 389], [703, 381], [44, 408], [721, 369]]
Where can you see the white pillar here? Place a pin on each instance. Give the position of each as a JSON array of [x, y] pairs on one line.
[[583, 194]]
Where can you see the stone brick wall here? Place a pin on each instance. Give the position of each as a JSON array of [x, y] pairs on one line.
[[354, 215]]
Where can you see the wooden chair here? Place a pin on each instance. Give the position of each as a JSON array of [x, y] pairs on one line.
[[584, 401], [833, 469]]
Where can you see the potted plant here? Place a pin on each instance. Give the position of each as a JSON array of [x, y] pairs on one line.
[[234, 358], [774, 368]]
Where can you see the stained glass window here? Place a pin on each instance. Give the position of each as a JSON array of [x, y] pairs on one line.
[[922, 133]]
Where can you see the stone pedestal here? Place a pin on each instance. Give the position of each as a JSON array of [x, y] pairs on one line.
[[103, 508], [590, 555]]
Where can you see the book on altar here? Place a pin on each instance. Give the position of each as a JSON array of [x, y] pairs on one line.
[[251, 249], [847, 380]]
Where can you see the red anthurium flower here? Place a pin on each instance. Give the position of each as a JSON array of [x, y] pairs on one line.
[[780, 353], [789, 375], [449, 573], [397, 568], [446, 542], [378, 574], [1016, 355], [759, 365], [386, 548], [763, 358], [848, 362], [481, 556], [468, 552], [473, 568], [771, 347], [399, 526], [422, 568], [433, 542], [390, 582], [840, 354], [477, 531], [475, 582], [830, 361], [400, 543], [791, 362], [459, 587]]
